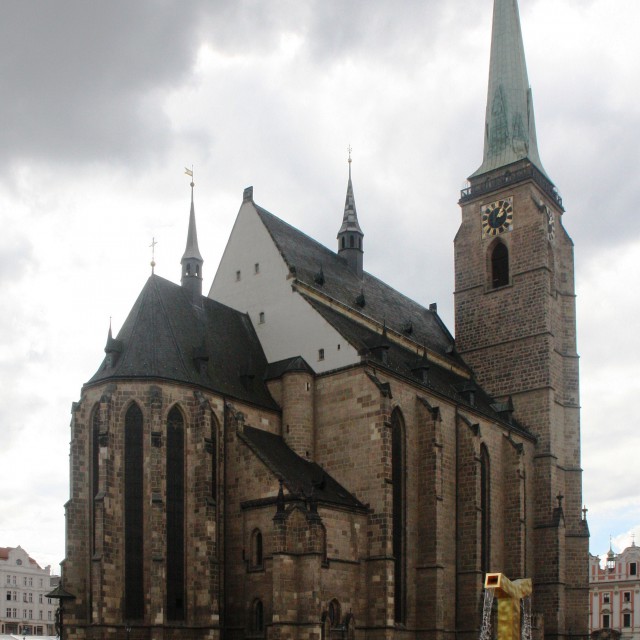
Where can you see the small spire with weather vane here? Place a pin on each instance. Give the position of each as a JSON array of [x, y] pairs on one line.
[[192, 260]]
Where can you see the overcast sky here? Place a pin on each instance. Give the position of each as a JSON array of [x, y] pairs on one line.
[[104, 104]]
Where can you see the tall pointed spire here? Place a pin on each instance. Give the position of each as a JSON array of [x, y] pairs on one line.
[[192, 260], [350, 234], [510, 130]]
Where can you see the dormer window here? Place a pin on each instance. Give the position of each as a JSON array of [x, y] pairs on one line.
[[238, 275], [256, 268], [320, 354], [261, 317]]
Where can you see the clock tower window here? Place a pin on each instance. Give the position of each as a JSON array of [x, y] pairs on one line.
[[499, 266]]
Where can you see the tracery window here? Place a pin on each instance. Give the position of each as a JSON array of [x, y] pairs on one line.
[[175, 515], [133, 514], [399, 520], [258, 617], [95, 470]]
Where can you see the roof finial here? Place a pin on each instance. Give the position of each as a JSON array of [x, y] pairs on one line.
[[189, 172], [349, 149], [153, 258]]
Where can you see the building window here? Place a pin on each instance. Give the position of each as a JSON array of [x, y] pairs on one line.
[[256, 267], [8, 612], [626, 596], [133, 514], [258, 617], [24, 597], [398, 514], [8, 579], [485, 508], [257, 557], [40, 598], [95, 462], [175, 515], [626, 619], [606, 598], [8, 595], [334, 613], [605, 620], [238, 275], [41, 614], [261, 317], [499, 266], [48, 615], [320, 354], [214, 459], [633, 569]]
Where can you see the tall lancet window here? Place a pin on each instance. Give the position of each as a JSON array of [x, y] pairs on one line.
[[499, 266], [485, 509], [95, 472], [133, 515], [214, 457], [175, 515], [399, 521]]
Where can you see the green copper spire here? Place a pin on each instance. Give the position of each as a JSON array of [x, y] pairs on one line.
[[510, 130]]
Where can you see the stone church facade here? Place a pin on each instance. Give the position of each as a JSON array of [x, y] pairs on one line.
[[307, 453]]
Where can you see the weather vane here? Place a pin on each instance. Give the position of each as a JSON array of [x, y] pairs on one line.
[[189, 172], [153, 254]]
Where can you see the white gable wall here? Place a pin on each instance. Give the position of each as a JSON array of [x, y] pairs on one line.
[[291, 326]]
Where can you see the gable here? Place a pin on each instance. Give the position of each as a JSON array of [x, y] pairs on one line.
[[286, 325]]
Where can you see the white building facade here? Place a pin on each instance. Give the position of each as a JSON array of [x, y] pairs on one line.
[[615, 595], [25, 609]]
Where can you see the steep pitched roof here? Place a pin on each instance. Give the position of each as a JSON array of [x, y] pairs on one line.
[[300, 476], [368, 295], [409, 364], [212, 346]]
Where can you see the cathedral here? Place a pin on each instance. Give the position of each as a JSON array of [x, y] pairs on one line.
[[305, 452]]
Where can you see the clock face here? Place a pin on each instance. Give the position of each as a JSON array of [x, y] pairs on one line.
[[497, 217]]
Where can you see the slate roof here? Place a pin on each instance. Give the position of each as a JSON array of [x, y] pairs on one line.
[[166, 336], [278, 369], [300, 476], [306, 257], [407, 364]]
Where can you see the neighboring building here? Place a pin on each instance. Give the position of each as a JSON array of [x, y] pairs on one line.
[[614, 608], [307, 453], [25, 609]]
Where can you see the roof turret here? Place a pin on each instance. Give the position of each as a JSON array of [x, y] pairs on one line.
[[350, 234], [192, 260], [510, 130]]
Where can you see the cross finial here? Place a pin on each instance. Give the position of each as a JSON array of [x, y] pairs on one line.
[[349, 149], [560, 498], [584, 512], [153, 254]]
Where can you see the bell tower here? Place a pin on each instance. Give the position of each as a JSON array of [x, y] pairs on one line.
[[515, 322]]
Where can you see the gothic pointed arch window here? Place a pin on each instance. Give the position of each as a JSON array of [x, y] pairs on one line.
[[257, 551], [499, 265], [334, 613], [214, 457], [133, 514], [485, 510], [399, 519], [257, 622], [175, 515], [95, 472]]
